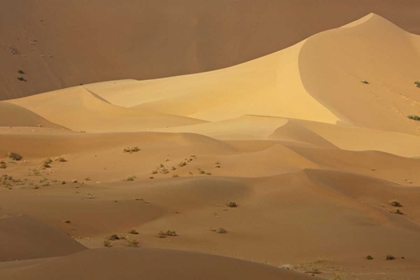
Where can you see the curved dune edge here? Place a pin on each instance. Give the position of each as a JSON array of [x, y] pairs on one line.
[[13, 115], [23, 237], [334, 63], [146, 264], [81, 110]]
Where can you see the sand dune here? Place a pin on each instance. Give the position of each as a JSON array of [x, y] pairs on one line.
[[312, 157], [146, 263], [22, 237], [53, 41], [374, 50], [80, 110], [12, 115]]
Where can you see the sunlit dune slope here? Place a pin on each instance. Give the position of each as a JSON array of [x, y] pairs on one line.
[[80, 110], [334, 63]]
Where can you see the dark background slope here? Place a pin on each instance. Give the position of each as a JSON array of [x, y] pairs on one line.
[[61, 43]]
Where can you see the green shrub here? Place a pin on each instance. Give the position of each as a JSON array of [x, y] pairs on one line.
[[417, 83]]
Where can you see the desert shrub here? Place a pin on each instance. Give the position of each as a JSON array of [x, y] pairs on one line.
[[182, 164], [202, 172], [395, 203], [14, 156], [20, 71], [131, 150], [417, 83], [22, 79], [220, 230], [131, 179], [61, 159], [231, 204], [396, 211], [389, 257], [133, 231], [175, 176], [364, 82], [132, 243], [163, 234], [113, 237], [47, 163], [3, 165], [414, 117], [369, 257], [107, 243]]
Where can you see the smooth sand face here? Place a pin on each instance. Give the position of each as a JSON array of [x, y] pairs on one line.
[[311, 155]]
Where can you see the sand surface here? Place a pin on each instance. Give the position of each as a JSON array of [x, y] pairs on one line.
[[59, 44], [312, 142]]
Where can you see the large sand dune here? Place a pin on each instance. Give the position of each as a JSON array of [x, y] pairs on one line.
[[59, 44], [311, 155]]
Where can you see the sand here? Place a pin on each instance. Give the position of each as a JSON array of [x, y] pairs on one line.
[[312, 156], [59, 44]]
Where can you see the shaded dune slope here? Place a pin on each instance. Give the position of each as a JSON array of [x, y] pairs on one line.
[[150, 264], [13, 115], [22, 237]]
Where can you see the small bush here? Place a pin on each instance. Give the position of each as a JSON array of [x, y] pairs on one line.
[[14, 156], [3, 165], [20, 71], [47, 163], [396, 211], [220, 230], [22, 79], [133, 231], [369, 257], [132, 243], [364, 82], [182, 164], [395, 203], [131, 150], [389, 257], [417, 83], [131, 179], [414, 117], [163, 234], [61, 159], [113, 237], [231, 204], [107, 243]]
